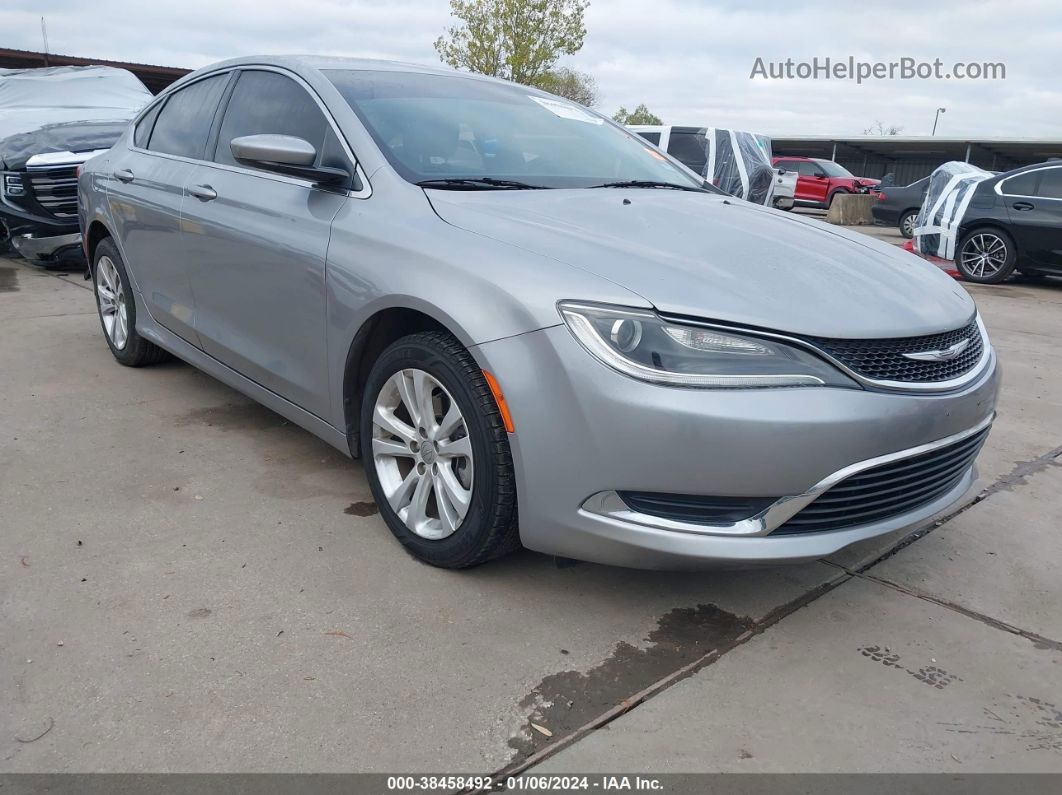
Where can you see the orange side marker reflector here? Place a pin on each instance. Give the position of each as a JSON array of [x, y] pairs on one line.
[[499, 398]]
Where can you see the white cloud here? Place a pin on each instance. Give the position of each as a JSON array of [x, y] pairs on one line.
[[689, 61]]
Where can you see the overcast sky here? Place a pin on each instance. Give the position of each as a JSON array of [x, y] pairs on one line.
[[689, 60]]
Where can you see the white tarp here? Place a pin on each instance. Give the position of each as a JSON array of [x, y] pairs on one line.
[[740, 163], [951, 187], [76, 105]]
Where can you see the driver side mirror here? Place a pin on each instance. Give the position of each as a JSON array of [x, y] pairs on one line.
[[285, 154]]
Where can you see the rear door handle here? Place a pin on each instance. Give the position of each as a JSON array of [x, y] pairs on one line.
[[1023, 206], [123, 175], [204, 193]]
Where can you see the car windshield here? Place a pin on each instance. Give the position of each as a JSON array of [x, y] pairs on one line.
[[461, 132], [832, 169]]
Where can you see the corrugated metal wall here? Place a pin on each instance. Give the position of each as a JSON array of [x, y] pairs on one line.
[[908, 171]]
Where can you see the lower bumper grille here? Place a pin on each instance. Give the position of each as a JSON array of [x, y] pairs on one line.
[[888, 490]]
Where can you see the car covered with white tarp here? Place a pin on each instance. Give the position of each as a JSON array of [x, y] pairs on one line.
[[51, 121]]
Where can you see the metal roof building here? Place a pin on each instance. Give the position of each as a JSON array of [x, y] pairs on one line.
[[912, 157]]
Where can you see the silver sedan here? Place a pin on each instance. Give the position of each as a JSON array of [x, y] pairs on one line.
[[533, 327]]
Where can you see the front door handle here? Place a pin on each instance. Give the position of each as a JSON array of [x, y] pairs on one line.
[[1023, 206], [204, 193], [123, 175]]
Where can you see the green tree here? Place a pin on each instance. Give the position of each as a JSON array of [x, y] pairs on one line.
[[570, 84], [519, 40], [640, 115]]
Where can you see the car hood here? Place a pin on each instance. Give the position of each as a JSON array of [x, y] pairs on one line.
[[702, 255]]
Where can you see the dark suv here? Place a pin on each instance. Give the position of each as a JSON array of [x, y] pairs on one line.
[[818, 181]]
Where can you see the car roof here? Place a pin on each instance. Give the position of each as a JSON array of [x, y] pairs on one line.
[[301, 64]]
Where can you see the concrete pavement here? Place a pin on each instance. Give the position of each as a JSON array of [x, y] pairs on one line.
[[188, 582]]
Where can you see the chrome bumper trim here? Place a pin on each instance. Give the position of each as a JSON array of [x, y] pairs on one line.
[[610, 504]]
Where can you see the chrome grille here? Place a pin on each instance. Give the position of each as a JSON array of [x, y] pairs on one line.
[[888, 490], [883, 359], [55, 189]]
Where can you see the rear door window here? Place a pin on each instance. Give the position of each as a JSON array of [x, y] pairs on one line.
[[270, 103], [651, 137], [1021, 185], [143, 129], [183, 124], [1050, 183]]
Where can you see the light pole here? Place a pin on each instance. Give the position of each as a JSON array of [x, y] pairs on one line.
[[937, 116]]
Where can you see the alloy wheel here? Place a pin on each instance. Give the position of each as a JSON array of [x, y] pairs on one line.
[[422, 453], [112, 303], [983, 255], [909, 225]]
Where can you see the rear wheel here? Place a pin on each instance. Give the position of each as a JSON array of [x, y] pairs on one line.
[[437, 454], [986, 255], [907, 223], [117, 309]]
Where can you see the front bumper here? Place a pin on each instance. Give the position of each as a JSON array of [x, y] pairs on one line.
[[582, 429], [48, 249]]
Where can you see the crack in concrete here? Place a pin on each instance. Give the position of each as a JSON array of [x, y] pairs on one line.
[[558, 743], [1017, 476], [1038, 640]]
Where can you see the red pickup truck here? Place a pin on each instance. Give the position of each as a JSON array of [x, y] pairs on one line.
[[818, 181]]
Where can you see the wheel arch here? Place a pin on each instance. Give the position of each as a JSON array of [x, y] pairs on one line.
[[988, 223], [96, 233], [376, 333]]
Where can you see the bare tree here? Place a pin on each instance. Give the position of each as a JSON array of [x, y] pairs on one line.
[[877, 128]]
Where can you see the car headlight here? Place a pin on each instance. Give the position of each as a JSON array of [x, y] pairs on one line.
[[642, 345]]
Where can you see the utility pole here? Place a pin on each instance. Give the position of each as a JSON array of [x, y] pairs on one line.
[[44, 37], [937, 116]]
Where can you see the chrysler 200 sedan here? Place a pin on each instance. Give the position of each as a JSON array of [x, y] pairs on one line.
[[532, 327]]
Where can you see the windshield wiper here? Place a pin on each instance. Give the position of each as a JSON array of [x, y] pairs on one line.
[[477, 183], [649, 183]]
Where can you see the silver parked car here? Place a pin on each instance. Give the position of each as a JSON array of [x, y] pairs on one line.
[[532, 327]]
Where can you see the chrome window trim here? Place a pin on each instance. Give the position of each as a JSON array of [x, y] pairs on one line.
[[610, 504], [921, 387], [366, 189], [998, 188]]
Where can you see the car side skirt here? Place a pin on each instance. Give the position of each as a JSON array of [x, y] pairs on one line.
[[148, 328]]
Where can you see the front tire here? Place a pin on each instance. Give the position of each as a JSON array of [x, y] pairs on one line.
[[436, 453], [986, 255], [117, 309]]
